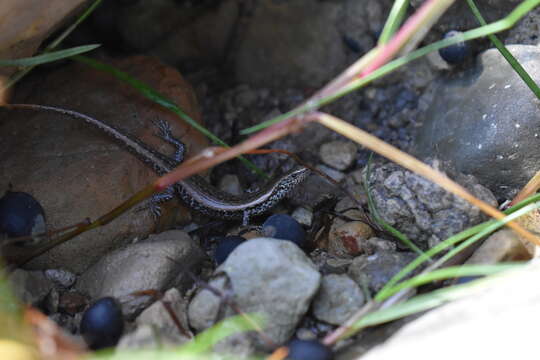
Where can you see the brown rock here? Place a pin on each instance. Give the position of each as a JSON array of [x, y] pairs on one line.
[[76, 171], [504, 245], [26, 23], [309, 46], [348, 240]]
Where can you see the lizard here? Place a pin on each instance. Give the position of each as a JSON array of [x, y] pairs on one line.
[[194, 191]]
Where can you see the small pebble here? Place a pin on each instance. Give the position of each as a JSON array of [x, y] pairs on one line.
[[308, 350], [303, 216], [102, 323], [334, 174], [21, 215], [285, 227], [61, 277], [230, 184], [457, 53], [225, 246], [338, 154], [347, 240]]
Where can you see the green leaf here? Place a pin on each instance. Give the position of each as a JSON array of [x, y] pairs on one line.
[[417, 304], [395, 18], [451, 272], [198, 348], [49, 57]]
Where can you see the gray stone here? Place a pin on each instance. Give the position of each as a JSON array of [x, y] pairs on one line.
[[338, 154], [160, 319], [309, 50], [143, 337], [374, 271], [230, 183], [270, 277], [426, 213], [337, 300], [483, 323], [486, 122], [61, 277], [31, 287], [334, 174], [303, 216], [154, 264]]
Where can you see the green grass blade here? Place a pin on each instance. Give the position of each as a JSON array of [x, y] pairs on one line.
[[19, 75], [198, 348], [48, 57], [354, 85], [417, 304], [507, 55], [158, 98], [395, 18], [204, 341], [378, 219], [451, 272]]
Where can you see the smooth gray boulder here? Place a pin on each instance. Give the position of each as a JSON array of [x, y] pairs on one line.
[[487, 122], [154, 264]]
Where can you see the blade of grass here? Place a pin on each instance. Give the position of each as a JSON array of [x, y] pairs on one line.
[[49, 57], [500, 25], [377, 218], [158, 98], [449, 273], [507, 55], [200, 346], [395, 18], [418, 304], [19, 75]]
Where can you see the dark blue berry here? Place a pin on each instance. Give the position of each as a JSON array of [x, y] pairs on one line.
[[102, 324], [308, 350], [21, 215], [225, 246], [285, 227], [457, 53]]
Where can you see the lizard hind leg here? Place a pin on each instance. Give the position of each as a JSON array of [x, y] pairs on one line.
[[165, 133]]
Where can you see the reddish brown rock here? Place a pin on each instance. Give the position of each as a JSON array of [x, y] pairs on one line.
[[348, 240], [75, 170]]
